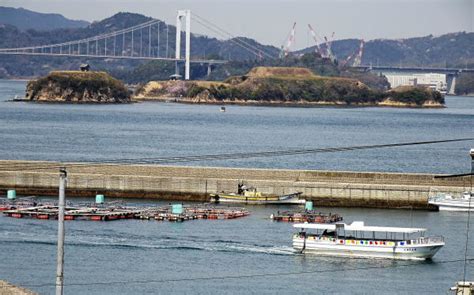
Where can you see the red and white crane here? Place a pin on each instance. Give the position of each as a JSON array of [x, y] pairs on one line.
[[315, 38], [291, 40], [329, 53], [358, 58]]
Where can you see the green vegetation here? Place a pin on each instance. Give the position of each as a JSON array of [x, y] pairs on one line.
[[465, 84], [452, 50], [414, 95], [75, 86], [285, 85], [288, 85]]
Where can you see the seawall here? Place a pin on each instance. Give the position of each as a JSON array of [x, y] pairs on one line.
[[325, 188]]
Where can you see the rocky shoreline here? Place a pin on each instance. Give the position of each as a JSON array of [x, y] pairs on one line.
[[266, 86], [77, 87], [280, 103], [262, 86]]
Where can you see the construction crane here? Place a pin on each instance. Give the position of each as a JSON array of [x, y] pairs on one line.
[[329, 53], [315, 38], [356, 56], [291, 39]]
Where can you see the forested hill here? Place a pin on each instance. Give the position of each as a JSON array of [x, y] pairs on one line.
[[451, 50], [456, 49], [25, 19], [18, 66]]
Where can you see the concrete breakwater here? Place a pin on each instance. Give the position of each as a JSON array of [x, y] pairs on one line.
[[325, 188]]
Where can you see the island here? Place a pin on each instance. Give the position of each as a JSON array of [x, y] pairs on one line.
[[77, 87], [287, 86]]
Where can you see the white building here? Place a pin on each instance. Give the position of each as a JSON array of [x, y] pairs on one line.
[[431, 80]]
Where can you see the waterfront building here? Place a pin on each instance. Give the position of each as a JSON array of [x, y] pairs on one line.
[[432, 80]]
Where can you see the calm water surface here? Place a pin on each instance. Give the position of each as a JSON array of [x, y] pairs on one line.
[[146, 257], [98, 132]]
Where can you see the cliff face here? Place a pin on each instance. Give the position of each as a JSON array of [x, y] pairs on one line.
[[77, 87], [288, 86]]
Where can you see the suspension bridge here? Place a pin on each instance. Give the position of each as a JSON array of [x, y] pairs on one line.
[[154, 40], [150, 40]]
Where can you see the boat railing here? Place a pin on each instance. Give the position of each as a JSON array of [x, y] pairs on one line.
[[350, 241], [440, 197]]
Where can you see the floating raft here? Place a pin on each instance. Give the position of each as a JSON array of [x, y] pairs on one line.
[[109, 212], [308, 216], [25, 202], [192, 213], [75, 213]]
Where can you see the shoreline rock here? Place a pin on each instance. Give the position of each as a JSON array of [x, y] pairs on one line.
[[287, 87], [279, 103], [77, 87]]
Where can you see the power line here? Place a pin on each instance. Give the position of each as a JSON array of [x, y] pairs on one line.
[[248, 276], [468, 221], [226, 156]]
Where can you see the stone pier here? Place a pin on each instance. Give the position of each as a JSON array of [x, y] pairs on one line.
[[325, 188]]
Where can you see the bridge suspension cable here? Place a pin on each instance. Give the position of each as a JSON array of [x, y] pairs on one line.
[[239, 41], [116, 44]]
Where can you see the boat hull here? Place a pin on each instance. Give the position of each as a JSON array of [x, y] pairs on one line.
[[454, 205], [282, 200], [338, 248]]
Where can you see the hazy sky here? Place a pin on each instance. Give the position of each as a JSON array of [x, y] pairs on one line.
[[269, 21]]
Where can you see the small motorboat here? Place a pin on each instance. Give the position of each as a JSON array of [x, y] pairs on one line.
[[222, 109], [448, 202], [252, 196]]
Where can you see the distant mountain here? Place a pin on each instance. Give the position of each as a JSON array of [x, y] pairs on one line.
[[456, 49], [25, 19], [202, 46], [452, 50]]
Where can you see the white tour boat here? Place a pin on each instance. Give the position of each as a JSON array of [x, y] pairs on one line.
[[358, 240], [446, 202]]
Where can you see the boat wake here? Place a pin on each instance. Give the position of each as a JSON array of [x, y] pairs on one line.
[[164, 244]]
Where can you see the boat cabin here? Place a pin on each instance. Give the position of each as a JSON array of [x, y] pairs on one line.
[[358, 231]]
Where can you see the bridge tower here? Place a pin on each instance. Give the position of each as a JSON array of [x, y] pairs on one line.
[[187, 15], [451, 83]]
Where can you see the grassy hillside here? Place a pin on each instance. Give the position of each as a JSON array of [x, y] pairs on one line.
[[21, 66], [287, 85], [76, 86]]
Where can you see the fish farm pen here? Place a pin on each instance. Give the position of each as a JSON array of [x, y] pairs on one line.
[[29, 208], [309, 216]]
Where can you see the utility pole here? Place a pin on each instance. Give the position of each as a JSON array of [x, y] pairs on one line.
[[60, 254]]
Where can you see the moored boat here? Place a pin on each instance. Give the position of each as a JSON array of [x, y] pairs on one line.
[[252, 196], [358, 240], [447, 202]]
